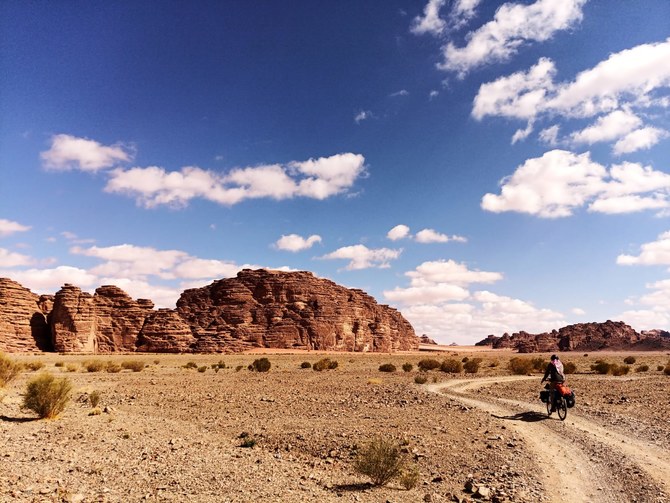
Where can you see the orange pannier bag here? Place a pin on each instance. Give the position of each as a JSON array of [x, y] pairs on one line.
[[563, 389]]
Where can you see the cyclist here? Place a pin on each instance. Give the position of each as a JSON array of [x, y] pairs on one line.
[[555, 375]]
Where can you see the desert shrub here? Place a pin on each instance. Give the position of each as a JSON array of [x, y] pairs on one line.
[[202, 369], [190, 365], [47, 396], [421, 379], [667, 369], [472, 366], [659, 367], [601, 367], [113, 368], [407, 367], [238, 368], [156, 362], [134, 365], [465, 359], [569, 368], [94, 398], [247, 440], [375, 380], [494, 363], [59, 364], [8, 370], [538, 364], [387, 367], [451, 366], [380, 460], [428, 364], [629, 360], [34, 366], [261, 365], [409, 478], [305, 365], [619, 370], [642, 368], [325, 364], [94, 365], [520, 366], [71, 367], [221, 364]]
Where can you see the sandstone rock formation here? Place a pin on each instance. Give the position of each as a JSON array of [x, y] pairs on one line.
[[581, 337], [23, 323], [277, 309], [102, 323], [164, 331]]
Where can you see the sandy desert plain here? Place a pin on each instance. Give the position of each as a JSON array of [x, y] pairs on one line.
[[168, 433]]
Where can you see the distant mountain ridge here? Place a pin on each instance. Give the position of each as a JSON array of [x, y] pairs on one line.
[[256, 309], [613, 335]]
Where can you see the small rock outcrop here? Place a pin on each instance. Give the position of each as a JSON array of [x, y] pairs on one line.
[[164, 331], [297, 310], [614, 335], [23, 322]]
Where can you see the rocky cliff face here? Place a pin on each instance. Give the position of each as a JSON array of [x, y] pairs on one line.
[[290, 310], [256, 309], [581, 337], [23, 322]]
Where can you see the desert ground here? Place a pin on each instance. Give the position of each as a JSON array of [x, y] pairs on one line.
[[168, 433]]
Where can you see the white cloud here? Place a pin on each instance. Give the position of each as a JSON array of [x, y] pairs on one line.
[[549, 186], [560, 182], [210, 269], [578, 311], [433, 94], [8, 227], [653, 253], [362, 257], [50, 280], [362, 115], [69, 152], [161, 295], [430, 22], [296, 243], [132, 261], [441, 292], [522, 134], [608, 128], [450, 272], [639, 139], [463, 11], [513, 25], [430, 236], [550, 135], [400, 231], [315, 178], [13, 259], [402, 92]]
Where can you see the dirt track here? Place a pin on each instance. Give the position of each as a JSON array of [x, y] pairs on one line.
[[568, 451]]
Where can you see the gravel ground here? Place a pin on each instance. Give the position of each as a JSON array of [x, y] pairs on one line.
[[173, 434]]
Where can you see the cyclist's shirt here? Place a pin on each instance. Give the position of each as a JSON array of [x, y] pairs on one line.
[[554, 372]]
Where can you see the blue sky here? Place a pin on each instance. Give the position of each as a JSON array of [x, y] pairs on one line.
[[483, 166]]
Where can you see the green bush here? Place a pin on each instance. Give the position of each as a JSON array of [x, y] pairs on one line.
[[387, 367], [134, 365], [451, 366], [325, 364], [601, 367], [472, 366], [59, 364], [642, 368], [94, 365], [94, 398], [202, 369], [112, 367], [538, 364], [409, 478], [660, 368], [421, 379], [407, 367], [569, 368], [667, 369], [47, 396], [520, 366], [619, 370], [261, 365], [428, 364], [9, 370], [305, 365], [629, 360], [190, 365], [238, 368], [380, 460]]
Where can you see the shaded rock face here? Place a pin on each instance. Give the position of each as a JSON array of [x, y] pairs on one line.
[[23, 322], [106, 322], [276, 309], [581, 337], [164, 331]]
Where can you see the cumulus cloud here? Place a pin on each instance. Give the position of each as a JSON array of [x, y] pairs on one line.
[[8, 227], [631, 79], [559, 182], [437, 302], [400, 231], [513, 26], [362, 115], [50, 280], [69, 152], [315, 178], [653, 253], [13, 259], [296, 243], [430, 22], [578, 311], [362, 257]]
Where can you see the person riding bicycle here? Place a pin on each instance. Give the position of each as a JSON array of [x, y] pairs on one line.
[[555, 375]]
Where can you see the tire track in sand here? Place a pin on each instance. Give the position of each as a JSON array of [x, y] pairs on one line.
[[569, 473]]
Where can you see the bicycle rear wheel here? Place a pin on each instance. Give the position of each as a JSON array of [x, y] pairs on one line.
[[562, 408], [549, 406]]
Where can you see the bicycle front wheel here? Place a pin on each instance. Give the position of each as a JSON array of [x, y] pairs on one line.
[[562, 408]]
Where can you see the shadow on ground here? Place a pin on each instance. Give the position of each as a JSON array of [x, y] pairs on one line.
[[528, 417], [353, 487], [18, 419]]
